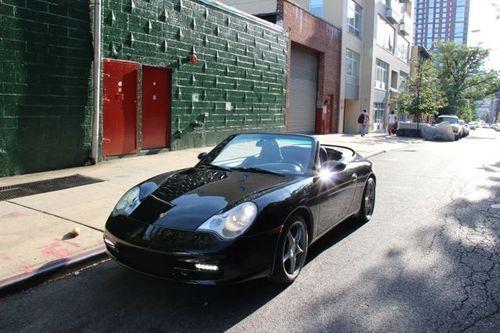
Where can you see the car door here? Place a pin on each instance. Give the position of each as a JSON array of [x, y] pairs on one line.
[[335, 193]]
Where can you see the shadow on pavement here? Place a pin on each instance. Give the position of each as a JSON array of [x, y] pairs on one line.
[[456, 290]]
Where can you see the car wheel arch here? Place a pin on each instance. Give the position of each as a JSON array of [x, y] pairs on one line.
[[360, 214], [306, 214], [300, 213]]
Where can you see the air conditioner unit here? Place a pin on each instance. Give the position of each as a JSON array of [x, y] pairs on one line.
[[380, 85], [392, 15], [404, 29]]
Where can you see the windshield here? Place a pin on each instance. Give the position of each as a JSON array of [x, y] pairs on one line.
[[451, 120], [276, 153]]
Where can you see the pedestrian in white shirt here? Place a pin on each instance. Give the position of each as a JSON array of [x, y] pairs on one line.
[[393, 123]]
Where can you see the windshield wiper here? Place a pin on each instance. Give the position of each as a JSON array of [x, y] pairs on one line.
[[258, 170]]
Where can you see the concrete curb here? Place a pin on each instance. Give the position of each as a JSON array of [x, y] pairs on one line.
[[375, 153], [26, 280]]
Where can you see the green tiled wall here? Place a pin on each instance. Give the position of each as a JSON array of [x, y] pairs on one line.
[[45, 101], [241, 61]]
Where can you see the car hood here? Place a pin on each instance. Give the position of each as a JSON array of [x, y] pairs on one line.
[[187, 198]]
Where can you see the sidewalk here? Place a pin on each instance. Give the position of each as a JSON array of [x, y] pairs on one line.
[[35, 237]]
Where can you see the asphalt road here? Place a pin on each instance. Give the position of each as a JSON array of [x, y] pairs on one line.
[[427, 262]]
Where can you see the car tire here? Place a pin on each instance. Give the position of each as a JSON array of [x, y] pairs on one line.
[[291, 251], [367, 201]]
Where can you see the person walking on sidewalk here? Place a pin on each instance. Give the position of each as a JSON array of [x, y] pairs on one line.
[[393, 123], [363, 120]]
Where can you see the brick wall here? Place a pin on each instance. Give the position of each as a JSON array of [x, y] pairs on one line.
[[45, 64], [241, 60], [314, 33]]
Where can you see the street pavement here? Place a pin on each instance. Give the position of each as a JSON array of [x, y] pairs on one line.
[[36, 237], [428, 261]]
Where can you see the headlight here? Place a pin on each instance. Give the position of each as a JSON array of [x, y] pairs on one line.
[[128, 202], [232, 223]]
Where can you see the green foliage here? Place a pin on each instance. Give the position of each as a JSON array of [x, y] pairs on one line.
[[421, 95], [463, 78]]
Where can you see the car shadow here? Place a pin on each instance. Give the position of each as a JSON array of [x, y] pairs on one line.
[[107, 296], [332, 237]]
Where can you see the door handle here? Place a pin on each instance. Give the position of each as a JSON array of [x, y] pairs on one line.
[[354, 177]]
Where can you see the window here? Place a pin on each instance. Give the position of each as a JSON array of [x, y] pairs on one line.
[[354, 18], [459, 28], [316, 7], [378, 114], [403, 80], [403, 49], [381, 74], [429, 30], [352, 64], [385, 34]]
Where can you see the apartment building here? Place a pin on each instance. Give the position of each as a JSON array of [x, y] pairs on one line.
[[375, 53], [441, 20]]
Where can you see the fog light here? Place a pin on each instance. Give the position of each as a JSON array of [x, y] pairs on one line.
[[206, 267]]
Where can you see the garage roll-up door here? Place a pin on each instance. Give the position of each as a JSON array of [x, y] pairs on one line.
[[304, 71]]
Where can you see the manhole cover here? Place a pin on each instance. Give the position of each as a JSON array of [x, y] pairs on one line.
[[43, 186]]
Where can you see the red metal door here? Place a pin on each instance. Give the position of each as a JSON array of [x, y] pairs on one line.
[[119, 108], [155, 107]]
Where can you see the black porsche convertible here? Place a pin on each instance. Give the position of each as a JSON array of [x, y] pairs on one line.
[[250, 208]]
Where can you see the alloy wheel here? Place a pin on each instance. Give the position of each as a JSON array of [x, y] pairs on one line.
[[293, 256], [369, 198]]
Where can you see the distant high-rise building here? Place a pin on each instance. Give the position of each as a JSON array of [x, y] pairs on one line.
[[441, 20]]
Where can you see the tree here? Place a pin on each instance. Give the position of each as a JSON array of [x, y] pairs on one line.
[[421, 94], [462, 77]]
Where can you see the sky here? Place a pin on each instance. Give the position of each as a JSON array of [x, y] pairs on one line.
[[484, 29]]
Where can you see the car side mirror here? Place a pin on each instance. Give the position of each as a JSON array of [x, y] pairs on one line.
[[202, 155]]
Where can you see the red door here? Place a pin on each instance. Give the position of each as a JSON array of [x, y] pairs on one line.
[[155, 107], [119, 108]]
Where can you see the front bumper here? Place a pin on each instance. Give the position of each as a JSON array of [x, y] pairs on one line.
[[184, 260]]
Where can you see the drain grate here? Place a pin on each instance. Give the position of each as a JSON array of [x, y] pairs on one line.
[[43, 186]]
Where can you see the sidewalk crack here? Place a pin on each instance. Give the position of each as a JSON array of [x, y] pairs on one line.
[[55, 215]]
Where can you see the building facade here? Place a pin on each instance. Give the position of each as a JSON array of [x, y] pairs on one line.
[[441, 20], [174, 74], [314, 71], [375, 54], [223, 72], [45, 95]]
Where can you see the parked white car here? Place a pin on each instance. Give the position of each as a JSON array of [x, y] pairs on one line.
[[458, 130], [473, 125], [465, 128]]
